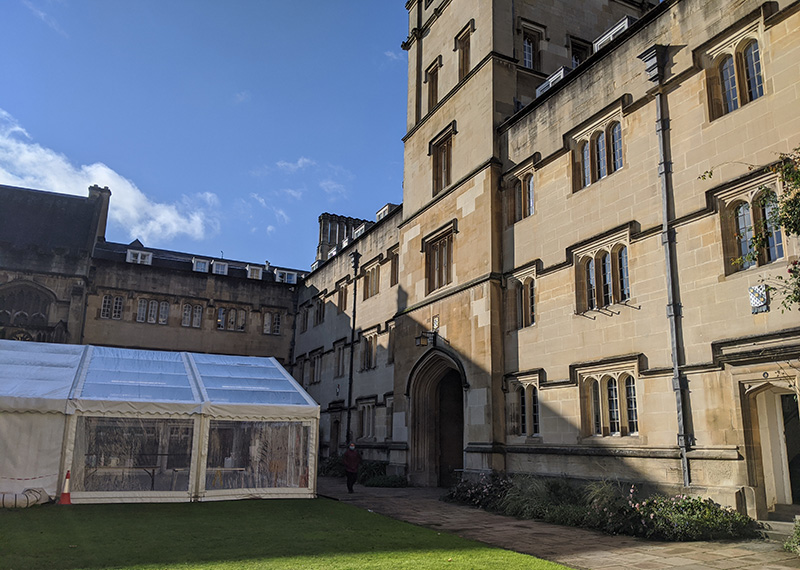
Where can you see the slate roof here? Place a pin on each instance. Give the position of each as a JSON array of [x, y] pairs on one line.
[[45, 220], [181, 261]]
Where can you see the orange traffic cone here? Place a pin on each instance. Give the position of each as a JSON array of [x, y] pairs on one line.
[[64, 499]]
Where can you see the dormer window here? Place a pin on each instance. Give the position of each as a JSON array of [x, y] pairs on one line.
[[254, 272], [219, 267], [200, 265], [139, 257], [286, 277]]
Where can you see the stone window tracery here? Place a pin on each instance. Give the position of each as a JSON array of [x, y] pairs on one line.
[[609, 402], [602, 276], [734, 73]]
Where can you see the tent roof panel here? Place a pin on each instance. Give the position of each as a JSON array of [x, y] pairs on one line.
[[35, 370], [46, 376]]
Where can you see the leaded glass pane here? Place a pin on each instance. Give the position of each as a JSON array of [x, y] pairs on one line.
[[616, 147], [633, 413], [752, 68], [728, 78], [624, 281], [613, 407], [591, 293], [600, 152], [744, 233], [774, 245]]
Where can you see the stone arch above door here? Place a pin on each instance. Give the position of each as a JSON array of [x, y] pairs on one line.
[[435, 439]]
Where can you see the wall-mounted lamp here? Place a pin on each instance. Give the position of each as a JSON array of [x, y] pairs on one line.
[[426, 337]]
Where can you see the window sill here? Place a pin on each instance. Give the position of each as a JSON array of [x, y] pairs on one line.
[[609, 311], [779, 264], [613, 440]]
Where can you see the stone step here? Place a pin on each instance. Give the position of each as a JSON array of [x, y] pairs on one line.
[[784, 513], [778, 531]]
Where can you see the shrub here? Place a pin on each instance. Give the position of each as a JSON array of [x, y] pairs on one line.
[[486, 493], [386, 481], [605, 506], [793, 544], [331, 467], [369, 469], [688, 518]]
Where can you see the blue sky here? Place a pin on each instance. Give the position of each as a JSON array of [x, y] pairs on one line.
[[220, 126]]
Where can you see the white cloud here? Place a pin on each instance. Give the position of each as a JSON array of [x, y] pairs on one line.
[[270, 229], [281, 215], [394, 56], [302, 162], [44, 18], [242, 97], [30, 165], [259, 199], [296, 194], [333, 189]]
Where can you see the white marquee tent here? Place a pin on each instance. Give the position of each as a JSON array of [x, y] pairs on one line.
[[148, 426]]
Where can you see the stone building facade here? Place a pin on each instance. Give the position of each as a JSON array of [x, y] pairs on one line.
[[61, 281], [45, 267], [566, 302], [556, 295]]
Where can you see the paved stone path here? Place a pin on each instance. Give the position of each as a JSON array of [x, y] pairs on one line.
[[578, 548]]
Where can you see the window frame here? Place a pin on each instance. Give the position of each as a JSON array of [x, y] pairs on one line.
[[532, 58], [526, 410], [394, 266], [341, 298], [735, 72], [105, 307], [254, 272], [163, 313], [576, 44], [141, 311], [432, 80], [603, 276], [139, 257], [219, 267], [200, 265], [463, 48], [371, 280], [186, 315], [439, 262], [152, 311], [369, 351], [598, 150], [753, 195], [610, 404]]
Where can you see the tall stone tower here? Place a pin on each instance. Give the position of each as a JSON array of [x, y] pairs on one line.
[[472, 64]]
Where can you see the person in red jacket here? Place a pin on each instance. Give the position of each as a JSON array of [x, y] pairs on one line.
[[351, 460]]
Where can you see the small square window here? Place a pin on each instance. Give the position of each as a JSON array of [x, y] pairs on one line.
[[200, 265], [139, 257], [254, 272], [219, 267]]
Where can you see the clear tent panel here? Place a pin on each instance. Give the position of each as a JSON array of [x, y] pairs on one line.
[[257, 455], [124, 374], [132, 454]]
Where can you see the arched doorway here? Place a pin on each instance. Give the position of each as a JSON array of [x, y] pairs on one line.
[[775, 431], [436, 395]]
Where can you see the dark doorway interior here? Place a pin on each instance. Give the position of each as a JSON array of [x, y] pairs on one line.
[[791, 430], [450, 428]]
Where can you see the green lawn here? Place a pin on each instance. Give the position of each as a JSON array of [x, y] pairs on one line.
[[313, 534]]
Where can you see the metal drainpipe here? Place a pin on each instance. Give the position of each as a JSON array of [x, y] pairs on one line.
[[355, 256], [654, 59]]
